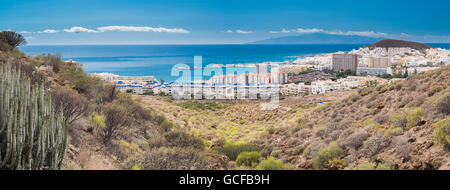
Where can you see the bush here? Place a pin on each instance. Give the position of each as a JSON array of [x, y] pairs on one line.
[[322, 158], [355, 140], [372, 166], [129, 148], [183, 140], [169, 159], [158, 118], [276, 153], [415, 115], [382, 118], [232, 149], [395, 131], [98, 120], [249, 159], [442, 132], [443, 104], [374, 144], [312, 149], [117, 117], [321, 131], [83, 83], [166, 125], [434, 90], [54, 61], [336, 164], [4, 46], [13, 39], [398, 120], [270, 164], [72, 104]]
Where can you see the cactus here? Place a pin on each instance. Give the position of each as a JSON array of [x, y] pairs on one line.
[[32, 136]]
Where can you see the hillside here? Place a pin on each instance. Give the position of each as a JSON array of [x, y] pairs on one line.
[[97, 127], [389, 43], [319, 38], [386, 127], [383, 127]]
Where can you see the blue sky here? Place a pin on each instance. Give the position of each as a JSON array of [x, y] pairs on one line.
[[220, 22]]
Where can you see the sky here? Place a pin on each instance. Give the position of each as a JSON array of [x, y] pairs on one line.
[[63, 22]]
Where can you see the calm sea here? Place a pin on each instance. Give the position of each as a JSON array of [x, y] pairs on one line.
[[158, 60]]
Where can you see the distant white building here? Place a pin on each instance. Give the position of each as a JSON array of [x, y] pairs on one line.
[[371, 71]]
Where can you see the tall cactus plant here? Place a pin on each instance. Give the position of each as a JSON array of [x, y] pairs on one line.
[[32, 137]]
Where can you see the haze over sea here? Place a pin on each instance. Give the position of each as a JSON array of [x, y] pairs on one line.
[[158, 60]]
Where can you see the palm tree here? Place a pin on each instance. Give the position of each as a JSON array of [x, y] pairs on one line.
[[12, 38]]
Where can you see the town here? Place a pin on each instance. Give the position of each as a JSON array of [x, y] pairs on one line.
[[309, 75]]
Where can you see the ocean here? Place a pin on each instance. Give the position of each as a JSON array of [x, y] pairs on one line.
[[158, 60]]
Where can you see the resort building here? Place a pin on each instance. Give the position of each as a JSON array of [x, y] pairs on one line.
[[344, 62], [379, 62]]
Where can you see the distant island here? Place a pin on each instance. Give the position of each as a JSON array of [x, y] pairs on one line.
[[320, 38], [390, 43]]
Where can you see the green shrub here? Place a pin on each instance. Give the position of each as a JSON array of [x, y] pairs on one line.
[[129, 148], [158, 118], [398, 120], [321, 131], [443, 104], [354, 140], [98, 120], [233, 149], [201, 105], [276, 153], [249, 159], [177, 138], [312, 149], [322, 158], [415, 115], [168, 159], [434, 90], [372, 166], [442, 132], [395, 131], [270, 164], [166, 125], [337, 164]]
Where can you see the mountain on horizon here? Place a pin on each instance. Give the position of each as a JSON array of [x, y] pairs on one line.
[[390, 43], [320, 38]]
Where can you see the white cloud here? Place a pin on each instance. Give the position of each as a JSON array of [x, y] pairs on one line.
[[358, 33], [229, 31], [243, 32], [78, 29], [48, 31], [141, 29], [306, 31], [335, 32], [404, 35], [28, 37], [299, 30]]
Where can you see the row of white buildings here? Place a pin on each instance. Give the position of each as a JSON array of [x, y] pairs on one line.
[[378, 61], [321, 87], [264, 83]]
